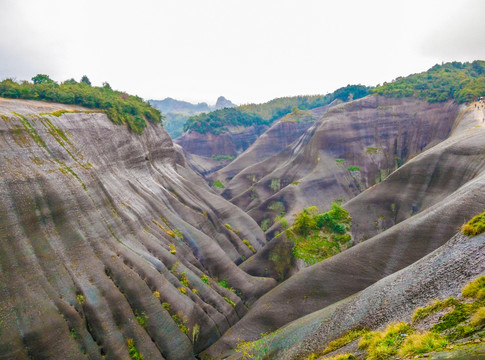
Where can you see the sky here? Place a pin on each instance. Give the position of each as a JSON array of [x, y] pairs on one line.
[[248, 51]]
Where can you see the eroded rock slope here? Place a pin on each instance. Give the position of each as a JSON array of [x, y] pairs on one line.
[[107, 236]]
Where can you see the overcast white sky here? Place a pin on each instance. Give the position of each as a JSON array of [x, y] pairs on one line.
[[248, 50]]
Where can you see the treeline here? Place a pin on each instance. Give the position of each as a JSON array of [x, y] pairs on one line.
[[216, 122], [120, 107], [462, 82]]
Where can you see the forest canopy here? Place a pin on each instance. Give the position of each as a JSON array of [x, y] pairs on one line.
[[462, 82], [120, 107], [216, 122]]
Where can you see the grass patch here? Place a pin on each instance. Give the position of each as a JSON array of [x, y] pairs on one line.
[[423, 312], [372, 150], [344, 340], [353, 168], [133, 351], [295, 182], [218, 184], [478, 318], [416, 344], [384, 344], [229, 301], [339, 161], [475, 289], [277, 206], [223, 157], [475, 226]]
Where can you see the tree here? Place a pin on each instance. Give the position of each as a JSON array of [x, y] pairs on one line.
[[42, 79], [85, 80]]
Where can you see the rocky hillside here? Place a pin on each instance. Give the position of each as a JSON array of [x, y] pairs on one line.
[[352, 147], [434, 193], [111, 246]]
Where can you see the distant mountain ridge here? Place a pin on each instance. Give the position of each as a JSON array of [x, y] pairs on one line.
[[176, 112]]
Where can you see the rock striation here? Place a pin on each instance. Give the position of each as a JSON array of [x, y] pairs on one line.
[[109, 241]]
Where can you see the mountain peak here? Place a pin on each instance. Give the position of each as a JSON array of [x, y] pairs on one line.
[[222, 103]]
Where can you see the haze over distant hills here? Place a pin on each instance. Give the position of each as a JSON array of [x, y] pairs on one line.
[[176, 112]]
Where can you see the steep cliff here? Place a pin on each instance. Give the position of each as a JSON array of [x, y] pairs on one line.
[[110, 243]]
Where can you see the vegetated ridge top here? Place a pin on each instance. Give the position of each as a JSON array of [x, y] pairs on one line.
[[120, 107]]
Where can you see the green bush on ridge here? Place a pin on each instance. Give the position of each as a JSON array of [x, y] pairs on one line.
[[120, 107], [462, 82]]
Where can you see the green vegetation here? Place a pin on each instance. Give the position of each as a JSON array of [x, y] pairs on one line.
[[218, 121], [265, 224], [475, 226], [277, 206], [223, 157], [461, 319], [229, 301], [462, 82], [141, 318], [205, 279], [225, 285], [344, 340], [120, 107], [372, 150], [421, 343], [248, 244], [475, 289], [258, 349], [275, 184], [298, 116], [384, 344], [353, 168], [318, 236], [133, 351], [218, 184], [339, 161], [424, 312], [80, 298]]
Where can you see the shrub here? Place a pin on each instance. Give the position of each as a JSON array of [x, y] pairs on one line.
[[422, 343], [183, 290], [205, 279], [277, 206], [225, 285], [142, 319], [133, 351], [353, 168], [218, 184], [80, 298], [173, 249], [475, 226], [339, 161]]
